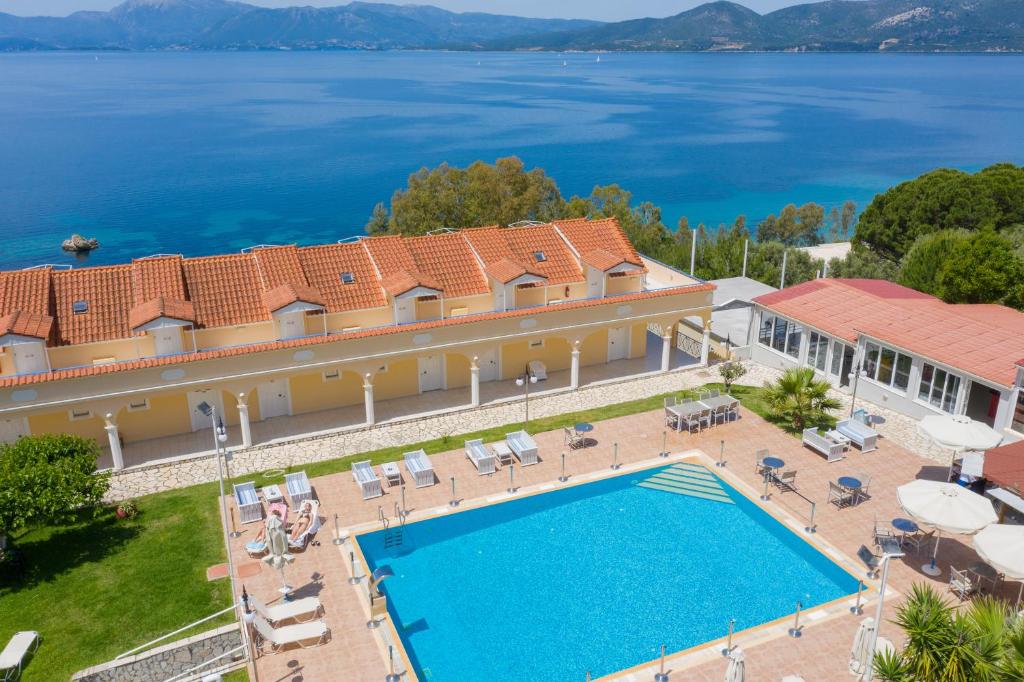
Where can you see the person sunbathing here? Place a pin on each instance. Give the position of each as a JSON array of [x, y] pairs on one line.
[[302, 523], [262, 535]]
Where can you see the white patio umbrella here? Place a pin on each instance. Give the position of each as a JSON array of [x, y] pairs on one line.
[[277, 543], [1002, 546], [945, 507], [958, 432], [860, 652], [737, 670]]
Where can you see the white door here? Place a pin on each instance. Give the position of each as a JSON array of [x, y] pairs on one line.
[[29, 358], [11, 428], [167, 340], [618, 343], [431, 373], [211, 396], [488, 365], [275, 400], [293, 325]]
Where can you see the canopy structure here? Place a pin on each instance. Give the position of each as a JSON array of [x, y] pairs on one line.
[[958, 432], [947, 507], [1004, 466], [1002, 546]]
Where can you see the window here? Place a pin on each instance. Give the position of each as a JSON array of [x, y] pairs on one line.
[[939, 388], [1018, 413], [138, 405], [887, 366], [901, 378], [871, 360], [79, 307], [79, 415], [817, 351], [837, 358], [348, 278], [781, 334], [539, 256], [539, 343], [332, 375]]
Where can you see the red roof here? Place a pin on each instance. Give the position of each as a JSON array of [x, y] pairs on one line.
[[104, 292], [505, 270], [1004, 466], [26, 290], [324, 267], [158, 307], [980, 340], [603, 260], [606, 235], [26, 324], [537, 248]]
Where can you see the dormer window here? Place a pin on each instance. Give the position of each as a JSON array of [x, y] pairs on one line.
[[539, 256], [79, 307], [348, 278]]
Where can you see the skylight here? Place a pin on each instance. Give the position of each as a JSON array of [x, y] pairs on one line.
[[79, 307], [348, 278], [539, 255]]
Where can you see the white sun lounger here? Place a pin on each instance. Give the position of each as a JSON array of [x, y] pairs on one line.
[[298, 487], [366, 479], [480, 456], [249, 506], [300, 542], [524, 447], [538, 369], [302, 610], [305, 635], [419, 467], [21, 645]]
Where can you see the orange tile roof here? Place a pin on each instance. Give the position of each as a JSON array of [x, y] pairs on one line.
[[26, 324], [447, 259], [324, 266], [156, 277], [286, 294], [603, 260], [225, 290], [78, 372], [26, 290], [158, 307], [591, 235], [980, 341], [390, 254], [401, 281], [520, 245], [107, 293], [1004, 466], [504, 270], [279, 265]]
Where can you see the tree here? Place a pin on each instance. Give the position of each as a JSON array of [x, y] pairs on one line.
[[379, 219], [982, 643], [863, 264], [799, 399], [46, 479], [849, 212], [834, 225], [730, 371], [794, 226], [921, 266], [981, 269]]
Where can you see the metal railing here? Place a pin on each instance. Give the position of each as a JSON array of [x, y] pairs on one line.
[[176, 632], [191, 671]]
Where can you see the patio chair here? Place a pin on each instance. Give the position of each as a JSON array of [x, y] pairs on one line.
[[721, 414], [919, 540], [13, 656], [961, 584], [573, 439], [480, 456], [759, 467], [713, 393], [865, 483], [366, 478], [703, 395], [838, 495], [420, 468], [537, 369], [300, 543], [313, 633], [298, 488], [523, 446], [704, 417], [786, 481], [249, 506], [300, 610], [881, 532], [691, 421]]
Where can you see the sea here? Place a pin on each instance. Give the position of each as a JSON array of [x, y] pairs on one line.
[[211, 152]]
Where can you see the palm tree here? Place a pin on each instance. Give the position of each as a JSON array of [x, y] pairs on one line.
[[982, 643], [799, 399]]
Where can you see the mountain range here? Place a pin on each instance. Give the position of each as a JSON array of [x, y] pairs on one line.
[[833, 25]]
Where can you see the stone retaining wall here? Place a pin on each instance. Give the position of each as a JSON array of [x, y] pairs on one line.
[[169, 660]]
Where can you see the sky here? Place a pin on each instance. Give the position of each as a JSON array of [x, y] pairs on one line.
[[604, 10]]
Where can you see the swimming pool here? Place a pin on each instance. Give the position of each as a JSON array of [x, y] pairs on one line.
[[593, 577]]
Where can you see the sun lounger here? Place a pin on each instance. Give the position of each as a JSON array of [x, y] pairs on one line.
[[301, 610], [419, 467], [832, 450], [302, 541], [366, 479], [523, 446], [249, 506], [480, 456], [298, 488], [537, 369], [21, 645], [859, 433], [305, 635]]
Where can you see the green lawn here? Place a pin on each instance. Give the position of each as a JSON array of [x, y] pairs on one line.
[[101, 586]]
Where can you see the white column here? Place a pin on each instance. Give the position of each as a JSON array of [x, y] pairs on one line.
[[574, 371], [474, 382], [368, 399], [666, 351], [705, 344], [115, 442], [243, 421]]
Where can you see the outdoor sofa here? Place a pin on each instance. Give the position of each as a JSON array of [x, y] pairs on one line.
[[523, 446], [833, 450], [859, 433]]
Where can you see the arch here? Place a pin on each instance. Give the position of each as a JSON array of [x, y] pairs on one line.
[[325, 389], [154, 416], [456, 367]]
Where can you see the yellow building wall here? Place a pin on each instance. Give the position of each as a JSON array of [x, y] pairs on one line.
[[528, 296], [310, 393], [60, 422], [456, 370], [428, 310], [475, 304], [167, 415], [231, 407], [364, 319], [6, 362], [556, 354], [638, 341], [220, 337], [401, 379], [84, 354], [627, 284], [594, 348]]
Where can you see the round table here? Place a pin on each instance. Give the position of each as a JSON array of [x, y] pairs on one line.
[[850, 482], [905, 525], [772, 463], [584, 427]]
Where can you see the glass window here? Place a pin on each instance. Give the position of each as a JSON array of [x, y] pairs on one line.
[[796, 332], [939, 388], [779, 338], [837, 358], [901, 379], [886, 365], [817, 351], [764, 335], [927, 374], [1018, 414], [871, 359]]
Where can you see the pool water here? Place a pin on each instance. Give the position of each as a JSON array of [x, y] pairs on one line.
[[593, 578]]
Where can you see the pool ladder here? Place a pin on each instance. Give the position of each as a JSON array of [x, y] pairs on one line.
[[393, 537]]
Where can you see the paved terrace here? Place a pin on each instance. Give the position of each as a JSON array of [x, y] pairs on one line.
[[355, 653]]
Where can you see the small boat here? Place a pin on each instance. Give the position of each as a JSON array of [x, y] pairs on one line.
[[598, 58], [565, 63]]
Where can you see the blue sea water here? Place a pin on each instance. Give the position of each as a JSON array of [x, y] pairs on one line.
[[590, 578], [201, 153]]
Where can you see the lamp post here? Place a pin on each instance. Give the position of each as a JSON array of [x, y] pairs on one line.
[[525, 380], [220, 436], [855, 378], [889, 551]]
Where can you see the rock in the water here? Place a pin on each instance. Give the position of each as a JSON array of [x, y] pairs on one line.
[[79, 243]]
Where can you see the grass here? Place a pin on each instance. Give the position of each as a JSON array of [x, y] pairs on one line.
[[101, 586]]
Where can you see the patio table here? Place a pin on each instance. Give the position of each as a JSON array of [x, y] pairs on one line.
[[905, 527], [770, 464], [986, 574], [272, 493], [686, 411], [391, 472], [852, 484], [717, 401], [502, 452]]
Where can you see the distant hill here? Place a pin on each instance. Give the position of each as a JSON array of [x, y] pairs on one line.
[[834, 25], [222, 24]]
